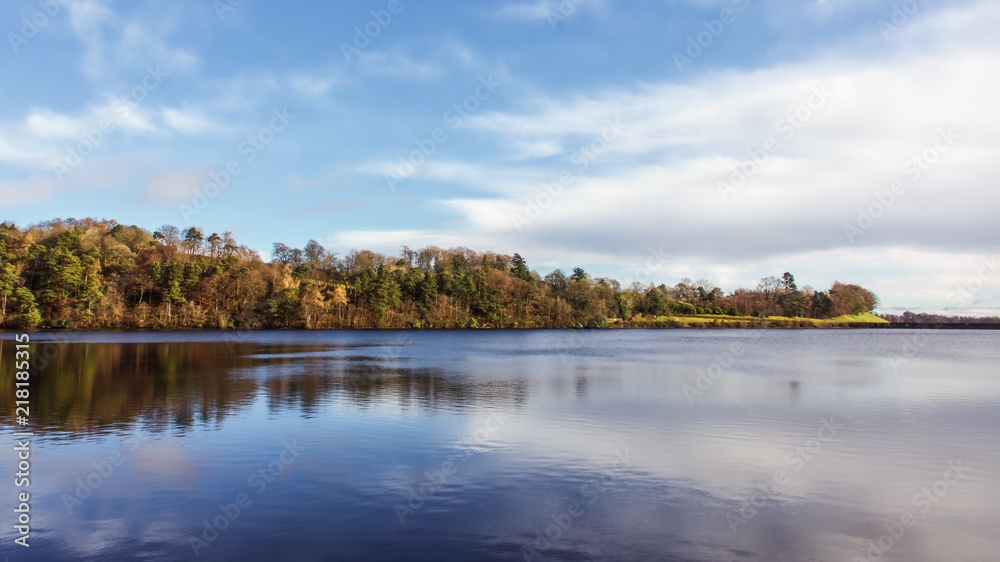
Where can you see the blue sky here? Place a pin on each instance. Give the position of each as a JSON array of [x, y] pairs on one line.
[[603, 133]]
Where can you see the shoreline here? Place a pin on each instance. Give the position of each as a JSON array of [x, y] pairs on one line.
[[665, 325]]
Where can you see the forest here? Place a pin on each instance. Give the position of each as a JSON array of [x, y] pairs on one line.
[[91, 274]]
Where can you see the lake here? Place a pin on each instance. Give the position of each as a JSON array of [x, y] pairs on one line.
[[695, 445]]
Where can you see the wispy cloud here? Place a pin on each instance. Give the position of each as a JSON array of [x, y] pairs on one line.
[[315, 86], [658, 183], [397, 64], [113, 44], [189, 121], [527, 11], [545, 10]]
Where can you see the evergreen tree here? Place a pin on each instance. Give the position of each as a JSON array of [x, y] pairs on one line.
[[384, 293], [8, 275], [172, 296], [8, 283], [193, 239], [26, 308], [655, 303], [100, 274], [90, 290], [62, 273], [788, 282], [427, 294], [520, 269]]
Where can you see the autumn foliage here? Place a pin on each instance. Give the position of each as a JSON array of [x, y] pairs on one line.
[[99, 274]]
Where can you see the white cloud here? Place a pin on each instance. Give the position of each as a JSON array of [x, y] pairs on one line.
[[112, 44], [546, 10], [528, 11], [657, 184], [45, 123], [242, 92], [190, 121], [45, 135], [313, 86], [20, 147], [398, 65], [676, 147], [524, 150]]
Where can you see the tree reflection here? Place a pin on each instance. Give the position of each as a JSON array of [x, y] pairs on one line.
[[92, 388]]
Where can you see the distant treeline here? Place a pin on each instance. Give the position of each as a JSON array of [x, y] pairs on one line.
[[99, 274], [923, 318]]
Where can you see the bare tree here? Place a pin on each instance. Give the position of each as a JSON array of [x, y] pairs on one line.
[[169, 234], [769, 286]]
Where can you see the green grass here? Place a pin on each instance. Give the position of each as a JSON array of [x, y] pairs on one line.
[[699, 319], [864, 317], [726, 319]]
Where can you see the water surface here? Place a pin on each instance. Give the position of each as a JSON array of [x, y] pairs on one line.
[[697, 445]]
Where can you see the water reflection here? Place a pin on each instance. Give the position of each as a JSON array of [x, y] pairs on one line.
[[532, 423], [91, 387], [87, 388]]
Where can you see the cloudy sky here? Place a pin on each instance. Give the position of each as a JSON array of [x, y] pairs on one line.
[[648, 140]]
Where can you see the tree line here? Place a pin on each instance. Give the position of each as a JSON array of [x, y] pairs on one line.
[[99, 274], [926, 318]]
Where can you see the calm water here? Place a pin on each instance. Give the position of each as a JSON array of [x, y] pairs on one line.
[[584, 445]]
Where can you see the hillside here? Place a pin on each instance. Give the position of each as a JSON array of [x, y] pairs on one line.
[[100, 274]]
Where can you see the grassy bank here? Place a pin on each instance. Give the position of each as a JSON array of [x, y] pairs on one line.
[[727, 321]]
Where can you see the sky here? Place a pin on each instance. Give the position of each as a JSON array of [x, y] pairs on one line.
[[728, 140]]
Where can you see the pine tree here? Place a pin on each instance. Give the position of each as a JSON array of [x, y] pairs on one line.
[[90, 293], [26, 308], [384, 294], [427, 292], [8, 276], [520, 268], [62, 273], [172, 295]]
